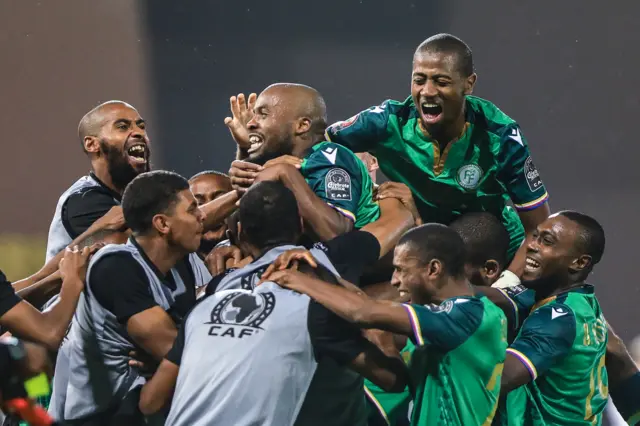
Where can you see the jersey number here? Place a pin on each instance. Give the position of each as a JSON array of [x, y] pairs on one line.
[[595, 381]]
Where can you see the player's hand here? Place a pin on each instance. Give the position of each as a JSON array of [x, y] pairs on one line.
[[289, 260], [75, 262], [242, 112], [112, 220], [288, 278], [371, 162], [143, 362], [222, 258], [401, 192], [243, 174], [284, 159], [279, 172]]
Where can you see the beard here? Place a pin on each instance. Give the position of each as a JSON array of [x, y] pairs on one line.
[[120, 170], [283, 147]]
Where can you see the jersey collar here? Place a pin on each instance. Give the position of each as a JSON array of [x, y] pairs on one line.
[[117, 196]]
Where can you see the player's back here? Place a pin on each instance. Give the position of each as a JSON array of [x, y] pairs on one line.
[[573, 391], [461, 386], [247, 359]]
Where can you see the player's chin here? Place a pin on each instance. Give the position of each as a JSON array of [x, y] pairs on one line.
[[432, 119]]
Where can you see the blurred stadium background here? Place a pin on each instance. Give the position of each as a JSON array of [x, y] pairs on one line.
[[566, 71]]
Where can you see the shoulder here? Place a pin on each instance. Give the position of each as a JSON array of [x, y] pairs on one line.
[[552, 317], [89, 196], [377, 116], [332, 158], [115, 262], [493, 120]]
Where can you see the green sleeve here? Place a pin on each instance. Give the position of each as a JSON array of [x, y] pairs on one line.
[[334, 175], [445, 326], [546, 337], [361, 132], [522, 300], [518, 173]]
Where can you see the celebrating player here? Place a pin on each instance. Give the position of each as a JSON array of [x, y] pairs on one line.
[[462, 337], [458, 153], [560, 348], [333, 188]]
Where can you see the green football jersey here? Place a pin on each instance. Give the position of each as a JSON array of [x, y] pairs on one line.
[[488, 165], [337, 176], [457, 364], [389, 408], [562, 343]]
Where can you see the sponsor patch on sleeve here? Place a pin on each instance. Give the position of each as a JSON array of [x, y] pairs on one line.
[[532, 176], [337, 185]]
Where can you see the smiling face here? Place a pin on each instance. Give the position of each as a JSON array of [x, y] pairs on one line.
[[410, 276], [271, 130], [439, 89], [551, 253]]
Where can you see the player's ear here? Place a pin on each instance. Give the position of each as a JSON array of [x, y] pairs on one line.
[[581, 264], [491, 270], [161, 223], [434, 269], [303, 125], [91, 144], [470, 83]]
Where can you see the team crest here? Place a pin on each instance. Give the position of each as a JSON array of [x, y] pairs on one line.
[[240, 314], [469, 176], [337, 185]]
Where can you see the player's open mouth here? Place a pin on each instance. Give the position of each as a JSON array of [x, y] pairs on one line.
[[431, 112], [138, 153], [256, 143], [531, 265]]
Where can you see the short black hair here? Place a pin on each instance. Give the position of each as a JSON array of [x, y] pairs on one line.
[[436, 241], [484, 237], [452, 45], [149, 194], [591, 240], [209, 173], [269, 215]]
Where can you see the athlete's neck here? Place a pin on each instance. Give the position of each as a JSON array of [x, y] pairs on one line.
[[446, 133], [302, 147], [455, 287], [163, 255], [551, 291], [102, 172]]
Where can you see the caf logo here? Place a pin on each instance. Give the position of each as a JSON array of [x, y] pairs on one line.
[[241, 313], [249, 281]]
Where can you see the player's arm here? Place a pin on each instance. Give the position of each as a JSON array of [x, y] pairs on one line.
[[545, 338], [158, 391], [335, 338], [120, 285], [107, 229], [515, 302], [217, 210], [523, 183], [361, 132], [325, 221], [39, 293], [48, 328], [395, 219]]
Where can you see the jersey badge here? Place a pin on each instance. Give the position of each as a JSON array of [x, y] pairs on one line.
[[469, 176], [532, 175], [337, 185], [446, 307], [240, 314]]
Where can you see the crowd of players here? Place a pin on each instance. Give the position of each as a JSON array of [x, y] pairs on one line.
[[295, 290]]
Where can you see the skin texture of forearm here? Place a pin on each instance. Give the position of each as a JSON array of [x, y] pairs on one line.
[[39, 293], [218, 210], [324, 221], [395, 220]]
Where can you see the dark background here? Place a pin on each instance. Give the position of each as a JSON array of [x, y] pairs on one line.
[[566, 71]]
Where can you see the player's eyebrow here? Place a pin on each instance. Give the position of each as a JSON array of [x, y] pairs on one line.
[[122, 120]]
